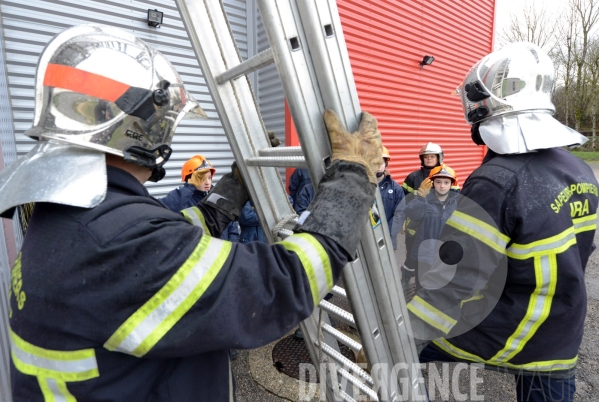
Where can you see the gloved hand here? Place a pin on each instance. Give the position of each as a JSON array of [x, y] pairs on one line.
[[364, 146], [274, 141], [229, 195], [425, 187]]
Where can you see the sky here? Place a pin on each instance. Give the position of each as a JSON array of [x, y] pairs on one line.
[[506, 7]]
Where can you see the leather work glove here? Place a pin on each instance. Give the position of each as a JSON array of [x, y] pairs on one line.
[[274, 141], [364, 146], [229, 195], [425, 187]]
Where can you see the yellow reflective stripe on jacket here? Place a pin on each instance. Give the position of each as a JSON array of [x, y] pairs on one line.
[[55, 390], [585, 223], [431, 315], [479, 230], [77, 365], [551, 245], [539, 306], [410, 189], [549, 365], [154, 319], [195, 216], [315, 261]]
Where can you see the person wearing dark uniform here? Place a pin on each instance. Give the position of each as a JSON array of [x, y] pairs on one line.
[[114, 296], [520, 238]]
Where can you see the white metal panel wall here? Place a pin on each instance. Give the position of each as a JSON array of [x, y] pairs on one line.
[[8, 155], [28, 26]]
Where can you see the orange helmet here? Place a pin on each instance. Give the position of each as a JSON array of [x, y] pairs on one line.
[[386, 153], [195, 163], [444, 171]]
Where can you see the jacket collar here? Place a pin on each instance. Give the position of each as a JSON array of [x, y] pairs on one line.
[[123, 182]]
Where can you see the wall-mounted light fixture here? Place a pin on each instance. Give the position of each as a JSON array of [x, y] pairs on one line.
[[427, 60], [155, 18]]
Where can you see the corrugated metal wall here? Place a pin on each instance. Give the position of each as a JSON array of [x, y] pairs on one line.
[[386, 42], [28, 26]]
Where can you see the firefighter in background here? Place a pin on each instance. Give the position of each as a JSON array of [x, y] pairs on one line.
[[431, 155], [541, 212], [196, 174], [114, 296], [391, 193]]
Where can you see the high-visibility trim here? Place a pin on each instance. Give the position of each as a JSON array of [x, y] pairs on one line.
[[77, 365], [546, 366], [144, 329], [315, 261], [455, 188], [551, 245], [538, 310], [479, 230], [84, 82], [195, 216], [55, 390], [431, 315], [585, 223], [477, 296], [405, 186]]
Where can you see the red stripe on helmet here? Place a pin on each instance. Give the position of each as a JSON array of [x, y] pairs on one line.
[[84, 82]]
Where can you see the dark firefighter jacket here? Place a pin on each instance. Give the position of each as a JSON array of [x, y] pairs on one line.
[[540, 213], [128, 301], [392, 194]]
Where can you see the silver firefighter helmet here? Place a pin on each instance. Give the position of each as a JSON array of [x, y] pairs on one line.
[[430, 148], [507, 97], [99, 90], [517, 78], [103, 88]]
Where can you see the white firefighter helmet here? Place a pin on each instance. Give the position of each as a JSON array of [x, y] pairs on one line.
[[507, 95], [99, 90], [430, 148]]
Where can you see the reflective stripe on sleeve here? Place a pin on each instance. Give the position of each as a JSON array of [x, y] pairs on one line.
[[156, 317], [195, 216], [585, 223], [539, 306], [549, 365], [405, 186], [429, 314], [315, 261], [78, 365], [551, 245], [479, 230]]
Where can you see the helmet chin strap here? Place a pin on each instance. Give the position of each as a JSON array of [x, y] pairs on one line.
[[148, 158], [475, 134]]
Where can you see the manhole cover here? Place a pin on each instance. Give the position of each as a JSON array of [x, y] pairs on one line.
[[290, 352]]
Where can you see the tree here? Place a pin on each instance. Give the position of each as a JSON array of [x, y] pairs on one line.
[[533, 25]]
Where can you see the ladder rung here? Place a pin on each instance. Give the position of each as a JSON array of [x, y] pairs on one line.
[[338, 312], [360, 385], [284, 233], [345, 362], [277, 161], [281, 151], [260, 60], [339, 291], [340, 336]]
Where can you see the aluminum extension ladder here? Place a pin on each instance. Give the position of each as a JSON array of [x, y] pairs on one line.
[[308, 47]]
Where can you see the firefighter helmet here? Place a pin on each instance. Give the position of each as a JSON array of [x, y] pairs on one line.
[[197, 162], [430, 148], [102, 88], [444, 171], [517, 78]]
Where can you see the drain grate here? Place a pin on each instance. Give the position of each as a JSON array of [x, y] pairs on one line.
[[290, 352]]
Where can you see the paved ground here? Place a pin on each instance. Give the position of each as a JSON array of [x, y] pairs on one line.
[[257, 380]]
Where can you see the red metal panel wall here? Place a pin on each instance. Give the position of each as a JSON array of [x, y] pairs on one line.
[[387, 39]]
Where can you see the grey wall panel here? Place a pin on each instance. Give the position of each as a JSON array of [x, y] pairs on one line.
[[29, 26]]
